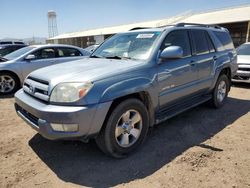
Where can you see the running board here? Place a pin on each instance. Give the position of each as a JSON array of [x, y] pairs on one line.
[[179, 108]]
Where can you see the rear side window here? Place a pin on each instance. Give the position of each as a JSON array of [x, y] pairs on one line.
[[178, 38], [225, 39], [200, 42], [68, 52], [210, 43]]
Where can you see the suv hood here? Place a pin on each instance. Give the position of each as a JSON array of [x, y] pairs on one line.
[[243, 59], [88, 69]]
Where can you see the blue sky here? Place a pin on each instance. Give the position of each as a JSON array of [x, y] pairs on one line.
[[25, 18]]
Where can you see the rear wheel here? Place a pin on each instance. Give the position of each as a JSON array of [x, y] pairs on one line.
[[220, 91], [9, 83], [125, 129]]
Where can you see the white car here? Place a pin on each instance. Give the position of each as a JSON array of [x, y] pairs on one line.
[[243, 72]]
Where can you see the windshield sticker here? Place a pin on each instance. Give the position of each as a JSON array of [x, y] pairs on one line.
[[145, 35]]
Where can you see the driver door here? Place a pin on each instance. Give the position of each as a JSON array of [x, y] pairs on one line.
[[43, 57], [176, 77]]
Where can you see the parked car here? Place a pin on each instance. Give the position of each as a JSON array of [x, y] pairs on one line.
[[8, 48], [115, 95], [12, 42], [91, 48], [243, 72], [18, 64]]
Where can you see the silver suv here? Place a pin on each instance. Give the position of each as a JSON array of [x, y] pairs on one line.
[[133, 81]]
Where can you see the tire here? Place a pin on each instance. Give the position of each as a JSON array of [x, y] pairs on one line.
[[220, 91], [125, 129], [9, 83]]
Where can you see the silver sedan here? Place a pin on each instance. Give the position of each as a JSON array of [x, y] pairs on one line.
[[15, 66]]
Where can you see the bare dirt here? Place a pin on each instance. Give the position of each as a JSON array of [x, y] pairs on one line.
[[202, 147]]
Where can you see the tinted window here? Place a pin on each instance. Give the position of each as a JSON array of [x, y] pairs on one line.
[[225, 39], [210, 43], [5, 51], [19, 42], [68, 52], [178, 38], [200, 42], [7, 42], [45, 53], [244, 49]]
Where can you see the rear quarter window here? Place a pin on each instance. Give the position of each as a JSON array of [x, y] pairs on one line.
[[225, 39]]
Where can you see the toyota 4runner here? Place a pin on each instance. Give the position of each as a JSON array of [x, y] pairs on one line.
[[131, 82]]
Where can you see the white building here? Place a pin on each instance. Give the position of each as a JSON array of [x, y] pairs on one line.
[[235, 19]]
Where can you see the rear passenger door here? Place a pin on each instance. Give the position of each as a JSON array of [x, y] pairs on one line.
[[177, 77], [205, 57], [65, 54]]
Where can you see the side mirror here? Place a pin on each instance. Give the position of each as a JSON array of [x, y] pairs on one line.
[[172, 52], [30, 57]]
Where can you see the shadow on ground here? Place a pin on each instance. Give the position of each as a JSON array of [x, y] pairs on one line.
[[84, 164], [241, 84], [6, 96]]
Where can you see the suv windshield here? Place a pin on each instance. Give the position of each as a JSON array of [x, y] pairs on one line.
[[134, 45], [18, 53], [244, 49]]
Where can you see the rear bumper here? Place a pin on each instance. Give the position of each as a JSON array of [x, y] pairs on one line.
[[40, 116]]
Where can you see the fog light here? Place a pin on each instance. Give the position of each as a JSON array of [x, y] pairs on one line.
[[64, 127]]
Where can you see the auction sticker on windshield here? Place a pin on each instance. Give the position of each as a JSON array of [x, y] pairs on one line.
[[145, 35]]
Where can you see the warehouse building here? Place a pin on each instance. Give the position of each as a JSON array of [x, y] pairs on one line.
[[235, 19]]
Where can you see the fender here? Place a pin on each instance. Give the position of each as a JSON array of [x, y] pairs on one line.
[[132, 86], [127, 87]]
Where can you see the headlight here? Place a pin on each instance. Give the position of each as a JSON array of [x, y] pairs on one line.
[[69, 92]]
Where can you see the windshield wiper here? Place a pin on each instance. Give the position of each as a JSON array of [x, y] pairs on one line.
[[95, 56], [3, 59], [113, 57]]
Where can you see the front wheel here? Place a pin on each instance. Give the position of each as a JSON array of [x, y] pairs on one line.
[[220, 91], [125, 129], [8, 83]]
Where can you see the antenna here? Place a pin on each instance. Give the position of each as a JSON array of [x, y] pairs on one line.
[[52, 25]]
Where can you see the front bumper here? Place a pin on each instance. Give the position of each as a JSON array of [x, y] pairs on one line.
[[243, 71], [40, 116]]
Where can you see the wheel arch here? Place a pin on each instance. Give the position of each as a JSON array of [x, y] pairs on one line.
[[143, 96]]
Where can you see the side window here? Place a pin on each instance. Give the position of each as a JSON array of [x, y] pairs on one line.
[[68, 52], [45, 53], [210, 43], [178, 38], [225, 39], [200, 42]]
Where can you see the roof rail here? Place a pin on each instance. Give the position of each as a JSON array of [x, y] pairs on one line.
[[196, 24], [137, 28]]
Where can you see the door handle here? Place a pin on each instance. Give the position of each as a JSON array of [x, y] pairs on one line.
[[215, 58]]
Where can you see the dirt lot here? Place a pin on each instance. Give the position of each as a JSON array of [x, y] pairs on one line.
[[199, 148]]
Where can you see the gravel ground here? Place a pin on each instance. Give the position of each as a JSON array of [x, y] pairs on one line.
[[202, 147]]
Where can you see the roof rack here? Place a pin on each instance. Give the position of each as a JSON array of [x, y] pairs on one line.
[[200, 25], [137, 28]]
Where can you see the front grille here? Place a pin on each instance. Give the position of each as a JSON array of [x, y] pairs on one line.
[[244, 69], [36, 88], [27, 115]]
